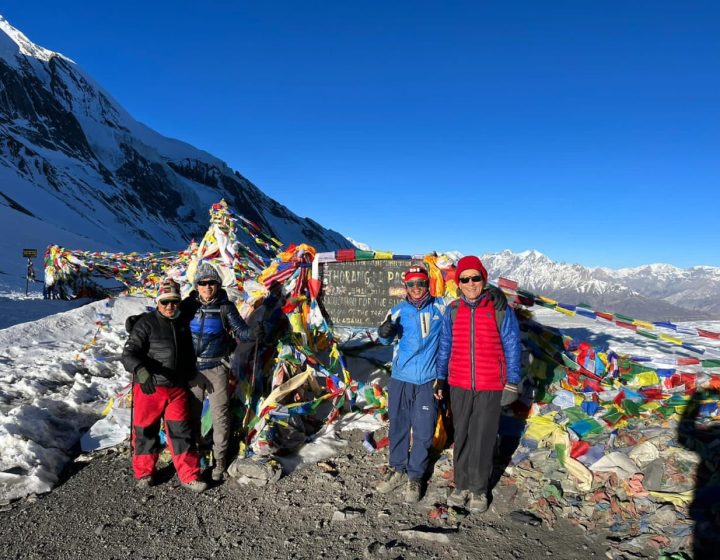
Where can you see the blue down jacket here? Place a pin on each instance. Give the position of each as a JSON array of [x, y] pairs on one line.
[[213, 326], [416, 340]]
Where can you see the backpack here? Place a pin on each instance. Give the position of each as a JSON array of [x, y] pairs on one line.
[[499, 314], [131, 320]]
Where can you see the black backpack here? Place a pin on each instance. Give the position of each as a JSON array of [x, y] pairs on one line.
[[499, 313]]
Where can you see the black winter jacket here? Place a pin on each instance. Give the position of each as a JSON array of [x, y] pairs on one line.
[[164, 346]]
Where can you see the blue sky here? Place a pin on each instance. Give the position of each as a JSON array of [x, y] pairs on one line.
[[587, 130]]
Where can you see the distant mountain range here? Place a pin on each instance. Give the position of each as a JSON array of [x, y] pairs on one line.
[[75, 167], [653, 292]]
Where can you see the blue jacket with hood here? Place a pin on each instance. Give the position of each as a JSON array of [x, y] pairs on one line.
[[213, 326], [416, 340]]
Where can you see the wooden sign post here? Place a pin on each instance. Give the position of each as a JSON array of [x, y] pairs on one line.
[[359, 294], [30, 274]]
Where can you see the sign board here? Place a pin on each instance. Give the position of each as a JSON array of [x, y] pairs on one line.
[[29, 253], [360, 293]]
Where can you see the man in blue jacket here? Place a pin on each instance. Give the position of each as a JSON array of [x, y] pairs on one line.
[[215, 323], [413, 326]]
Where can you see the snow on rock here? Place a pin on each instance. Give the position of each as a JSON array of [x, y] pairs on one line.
[[54, 385], [52, 389]]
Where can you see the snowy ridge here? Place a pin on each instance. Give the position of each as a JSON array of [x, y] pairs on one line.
[[73, 161], [23, 45], [359, 245], [652, 292]]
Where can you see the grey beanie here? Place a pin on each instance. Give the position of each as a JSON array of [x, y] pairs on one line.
[[206, 271]]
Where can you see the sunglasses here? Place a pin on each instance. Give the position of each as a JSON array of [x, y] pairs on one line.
[[418, 283], [207, 283], [169, 302], [473, 279]]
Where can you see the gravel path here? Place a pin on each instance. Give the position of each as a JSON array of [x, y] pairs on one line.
[[97, 513]]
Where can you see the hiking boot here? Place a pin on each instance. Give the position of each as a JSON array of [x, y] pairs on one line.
[[458, 498], [411, 495], [144, 483], [393, 479], [478, 503], [218, 471], [196, 486]]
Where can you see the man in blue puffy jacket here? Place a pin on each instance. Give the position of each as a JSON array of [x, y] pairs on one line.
[[215, 323], [413, 326]]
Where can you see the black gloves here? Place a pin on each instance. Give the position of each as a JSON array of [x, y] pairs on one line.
[[441, 389], [145, 379], [497, 296], [509, 394], [387, 329]]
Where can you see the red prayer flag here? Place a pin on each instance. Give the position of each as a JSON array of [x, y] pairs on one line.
[[708, 334]]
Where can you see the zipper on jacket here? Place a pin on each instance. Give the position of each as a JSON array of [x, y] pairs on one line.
[[198, 346], [472, 347], [418, 314], [175, 354]]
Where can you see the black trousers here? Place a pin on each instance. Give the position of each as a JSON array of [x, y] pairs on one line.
[[476, 417]]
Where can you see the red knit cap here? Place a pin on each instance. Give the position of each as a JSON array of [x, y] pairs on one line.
[[415, 272], [470, 263]]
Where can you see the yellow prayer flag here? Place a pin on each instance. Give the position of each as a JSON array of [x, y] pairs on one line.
[[108, 408], [645, 379], [383, 255], [541, 427], [579, 472], [679, 499]]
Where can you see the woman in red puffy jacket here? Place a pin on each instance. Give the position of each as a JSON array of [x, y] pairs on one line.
[[479, 356]]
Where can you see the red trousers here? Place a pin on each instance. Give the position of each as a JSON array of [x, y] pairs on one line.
[[173, 405]]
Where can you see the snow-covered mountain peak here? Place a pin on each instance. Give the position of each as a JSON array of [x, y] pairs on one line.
[[655, 291], [14, 41], [359, 244], [74, 164], [529, 254]]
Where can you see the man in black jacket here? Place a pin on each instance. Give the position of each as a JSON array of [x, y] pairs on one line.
[[159, 353]]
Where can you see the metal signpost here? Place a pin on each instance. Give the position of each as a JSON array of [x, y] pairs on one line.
[[29, 254]]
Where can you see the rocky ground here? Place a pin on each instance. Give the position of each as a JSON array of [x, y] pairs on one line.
[[324, 510]]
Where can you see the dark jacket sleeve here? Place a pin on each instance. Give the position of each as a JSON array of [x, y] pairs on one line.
[[136, 346], [510, 336], [444, 345], [236, 323]]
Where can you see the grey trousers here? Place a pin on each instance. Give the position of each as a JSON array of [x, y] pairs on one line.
[[214, 383], [476, 418]]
